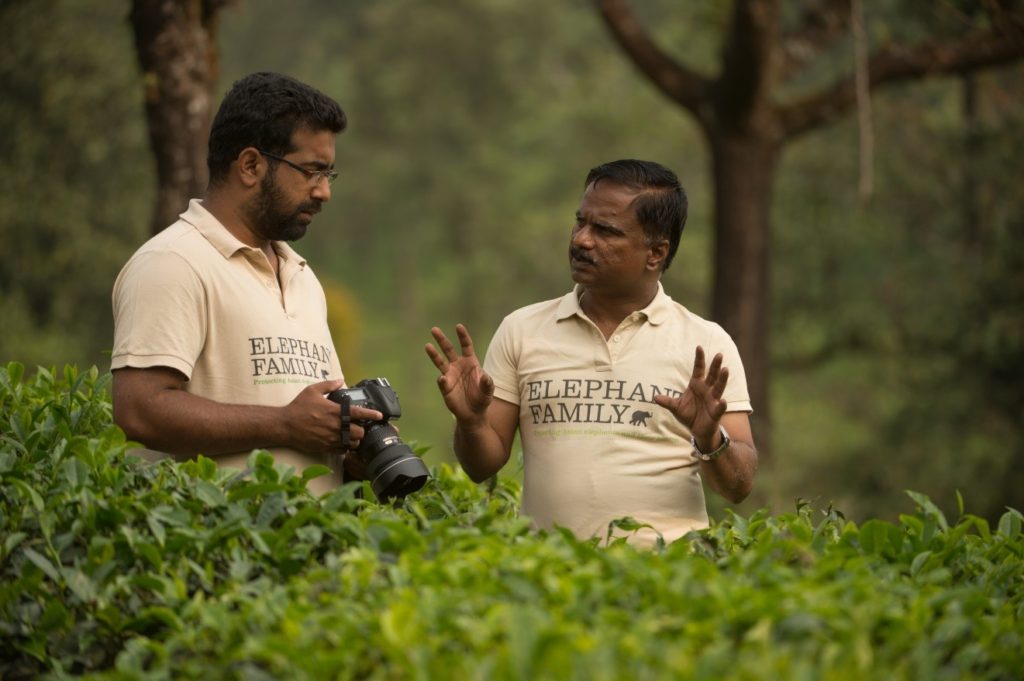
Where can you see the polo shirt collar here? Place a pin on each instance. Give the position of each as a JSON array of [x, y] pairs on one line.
[[656, 311], [226, 243]]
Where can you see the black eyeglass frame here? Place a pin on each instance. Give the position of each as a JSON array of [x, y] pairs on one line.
[[315, 177]]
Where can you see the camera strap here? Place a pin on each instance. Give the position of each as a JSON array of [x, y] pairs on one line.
[[346, 422]]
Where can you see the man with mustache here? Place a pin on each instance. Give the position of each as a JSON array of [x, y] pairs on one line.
[[221, 343], [619, 411]]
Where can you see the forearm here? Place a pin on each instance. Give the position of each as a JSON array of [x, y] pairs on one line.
[[479, 449], [732, 474], [179, 422]]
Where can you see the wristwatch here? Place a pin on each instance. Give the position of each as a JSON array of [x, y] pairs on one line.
[[711, 456]]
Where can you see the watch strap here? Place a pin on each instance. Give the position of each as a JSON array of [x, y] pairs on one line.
[[718, 451]]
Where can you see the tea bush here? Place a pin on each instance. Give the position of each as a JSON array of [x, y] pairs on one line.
[[116, 568]]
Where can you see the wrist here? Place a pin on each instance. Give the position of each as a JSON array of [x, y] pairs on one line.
[[710, 451], [472, 424]]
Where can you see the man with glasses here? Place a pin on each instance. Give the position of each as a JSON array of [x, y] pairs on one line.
[[221, 343]]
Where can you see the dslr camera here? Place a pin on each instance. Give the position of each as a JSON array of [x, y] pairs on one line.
[[392, 467]]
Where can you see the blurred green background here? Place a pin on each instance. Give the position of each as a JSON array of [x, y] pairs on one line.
[[897, 322]]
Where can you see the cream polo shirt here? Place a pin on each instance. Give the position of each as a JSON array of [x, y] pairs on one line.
[[596, 447], [196, 299]]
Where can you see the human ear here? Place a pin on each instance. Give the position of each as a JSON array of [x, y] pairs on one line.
[[657, 254], [251, 167]]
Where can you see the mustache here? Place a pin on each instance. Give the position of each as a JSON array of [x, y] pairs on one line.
[[312, 208], [579, 254]]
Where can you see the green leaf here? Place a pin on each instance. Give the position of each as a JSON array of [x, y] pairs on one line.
[[157, 528], [79, 584], [253, 489], [270, 509], [156, 617], [12, 541], [314, 471], [929, 508], [75, 472], [43, 563], [150, 553], [54, 616], [16, 371], [29, 494], [1010, 524], [210, 494], [919, 562]]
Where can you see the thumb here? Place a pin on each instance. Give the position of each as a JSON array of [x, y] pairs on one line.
[[487, 386], [324, 387]]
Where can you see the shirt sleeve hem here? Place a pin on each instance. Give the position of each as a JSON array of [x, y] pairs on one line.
[[152, 361], [506, 394]]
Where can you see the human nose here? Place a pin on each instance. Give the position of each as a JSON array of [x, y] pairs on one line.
[[321, 190], [582, 236]]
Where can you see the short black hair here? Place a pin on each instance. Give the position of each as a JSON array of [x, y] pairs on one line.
[[661, 204], [263, 110]]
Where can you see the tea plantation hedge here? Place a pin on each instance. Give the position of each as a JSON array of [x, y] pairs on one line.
[[114, 568]]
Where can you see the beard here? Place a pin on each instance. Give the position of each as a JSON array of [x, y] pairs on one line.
[[272, 218]]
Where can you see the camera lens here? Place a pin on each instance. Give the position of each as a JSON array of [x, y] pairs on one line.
[[394, 470]]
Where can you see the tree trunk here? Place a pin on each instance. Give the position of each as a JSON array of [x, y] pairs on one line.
[[744, 171], [175, 42]]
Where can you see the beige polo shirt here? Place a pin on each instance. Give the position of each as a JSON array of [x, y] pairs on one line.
[[596, 447], [196, 299]]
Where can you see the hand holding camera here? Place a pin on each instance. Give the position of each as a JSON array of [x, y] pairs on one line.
[[391, 466]]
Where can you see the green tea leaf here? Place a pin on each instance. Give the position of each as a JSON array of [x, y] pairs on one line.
[[210, 494], [43, 563], [79, 584]]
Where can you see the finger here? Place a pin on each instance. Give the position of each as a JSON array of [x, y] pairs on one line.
[[446, 345], [718, 410], [486, 385], [698, 363], [716, 366], [365, 414], [719, 387], [666, 402], [355, 435], [324, 387], [465, 340], [436, 357]]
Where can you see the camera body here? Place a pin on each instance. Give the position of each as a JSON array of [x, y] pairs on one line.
[[393, 468], [372, 393]]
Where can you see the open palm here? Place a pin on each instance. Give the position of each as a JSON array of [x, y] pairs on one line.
[[700, 407], [466, 388]]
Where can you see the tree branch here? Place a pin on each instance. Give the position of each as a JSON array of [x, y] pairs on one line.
[[1001, 45], [675, 80], [821, 23]]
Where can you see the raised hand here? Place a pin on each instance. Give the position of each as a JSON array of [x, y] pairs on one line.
[[467, 390], [700, 407]]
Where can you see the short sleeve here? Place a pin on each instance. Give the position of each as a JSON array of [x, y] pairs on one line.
[[160, 315], [736, 394], [502, 363]]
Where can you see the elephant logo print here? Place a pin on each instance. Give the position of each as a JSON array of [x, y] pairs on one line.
[[639, 418]]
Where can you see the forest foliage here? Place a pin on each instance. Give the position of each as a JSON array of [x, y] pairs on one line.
[[897, 323], [112, 567]]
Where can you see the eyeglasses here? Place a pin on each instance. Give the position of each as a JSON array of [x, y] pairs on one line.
[[314, 176]]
